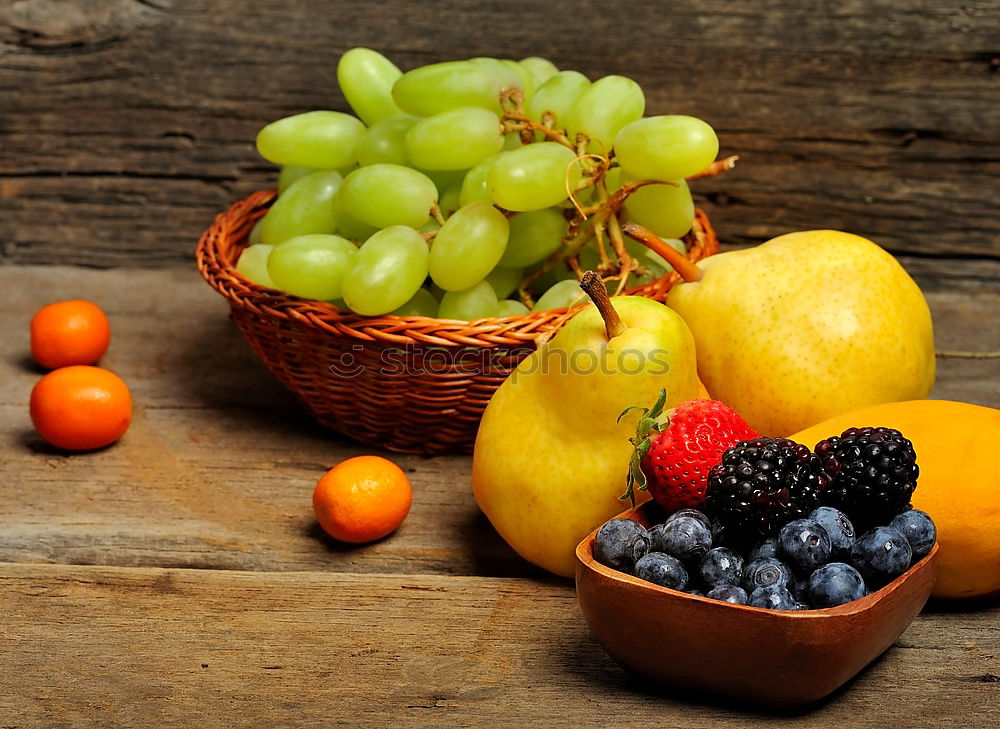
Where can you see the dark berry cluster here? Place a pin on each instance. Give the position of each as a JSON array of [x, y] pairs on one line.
[[762, 484], [765, 539], [813, 562], [873, 473]]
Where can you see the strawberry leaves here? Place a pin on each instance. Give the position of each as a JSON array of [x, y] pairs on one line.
[[649, 422]]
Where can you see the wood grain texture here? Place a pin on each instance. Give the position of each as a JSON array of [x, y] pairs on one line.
[[96, 647], [218, 467], [126, 124]]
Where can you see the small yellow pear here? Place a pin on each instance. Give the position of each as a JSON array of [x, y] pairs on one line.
[[551, 457]]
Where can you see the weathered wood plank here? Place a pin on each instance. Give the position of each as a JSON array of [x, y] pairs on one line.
[[861, 115], [89, 647], [219, 464]]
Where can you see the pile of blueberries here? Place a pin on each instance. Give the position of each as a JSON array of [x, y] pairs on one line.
[[813, 563]]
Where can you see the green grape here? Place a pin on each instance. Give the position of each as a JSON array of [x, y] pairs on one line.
[[613, 179], [589, 258], [474, 182], [387, 272], [348, 226], [436, 291], [511, 140], [558, 95], [366, 78], [542, 69], [533, 177], [253, 264], [384, 195], [455, 139], [506, 76], [449, 202], [476, 302], [423, 303], [305, 207], [666, 147], [431, 226], [603, 109], [384, 141], [468, 246], [526, 81], [560, 295], [559, 272], [325, 140], [504, 280], [443, 179], [510, 307], [439, 87], [312, 266], [254, 237], [534, 236], [667, 210], [291, 173]]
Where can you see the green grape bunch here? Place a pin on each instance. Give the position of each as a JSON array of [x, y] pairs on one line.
[[472, 189]]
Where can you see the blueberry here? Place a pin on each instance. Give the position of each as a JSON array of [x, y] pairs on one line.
[[835, 584], [690, 514], [767, 548], [804, 544], [766, 572], [721, 566], [918, 529], [881, 555], [800, 589], [662, 569], [774, 597], [620, 543], [656, 537], [729, 593], [686, 538], [696, 593], [839, 527]]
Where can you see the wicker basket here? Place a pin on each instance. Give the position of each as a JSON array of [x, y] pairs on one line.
[[409, 384]]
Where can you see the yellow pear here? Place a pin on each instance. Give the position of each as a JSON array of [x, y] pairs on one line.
[[551, 456], [804, 327]]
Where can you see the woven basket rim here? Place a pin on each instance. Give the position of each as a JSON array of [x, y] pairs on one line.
[[216, 260]]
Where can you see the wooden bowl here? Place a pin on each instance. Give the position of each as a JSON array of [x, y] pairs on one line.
[[781, 658]]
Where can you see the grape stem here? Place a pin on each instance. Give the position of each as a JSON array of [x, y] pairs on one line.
[[687, 270], [515, 120], [717, 168], [436, 214]]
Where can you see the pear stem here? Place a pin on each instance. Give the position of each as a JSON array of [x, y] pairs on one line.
[[687, 270], [592, 284]]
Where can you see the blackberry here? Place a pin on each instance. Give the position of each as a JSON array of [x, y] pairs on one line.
[[760, 485], [873, 473]]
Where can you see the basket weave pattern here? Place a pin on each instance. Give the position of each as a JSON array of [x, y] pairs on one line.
[[409, 384]]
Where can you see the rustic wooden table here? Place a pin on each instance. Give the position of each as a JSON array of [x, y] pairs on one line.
[[179, 577]]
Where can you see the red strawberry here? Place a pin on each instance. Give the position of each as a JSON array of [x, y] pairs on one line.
[[672, 459]]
